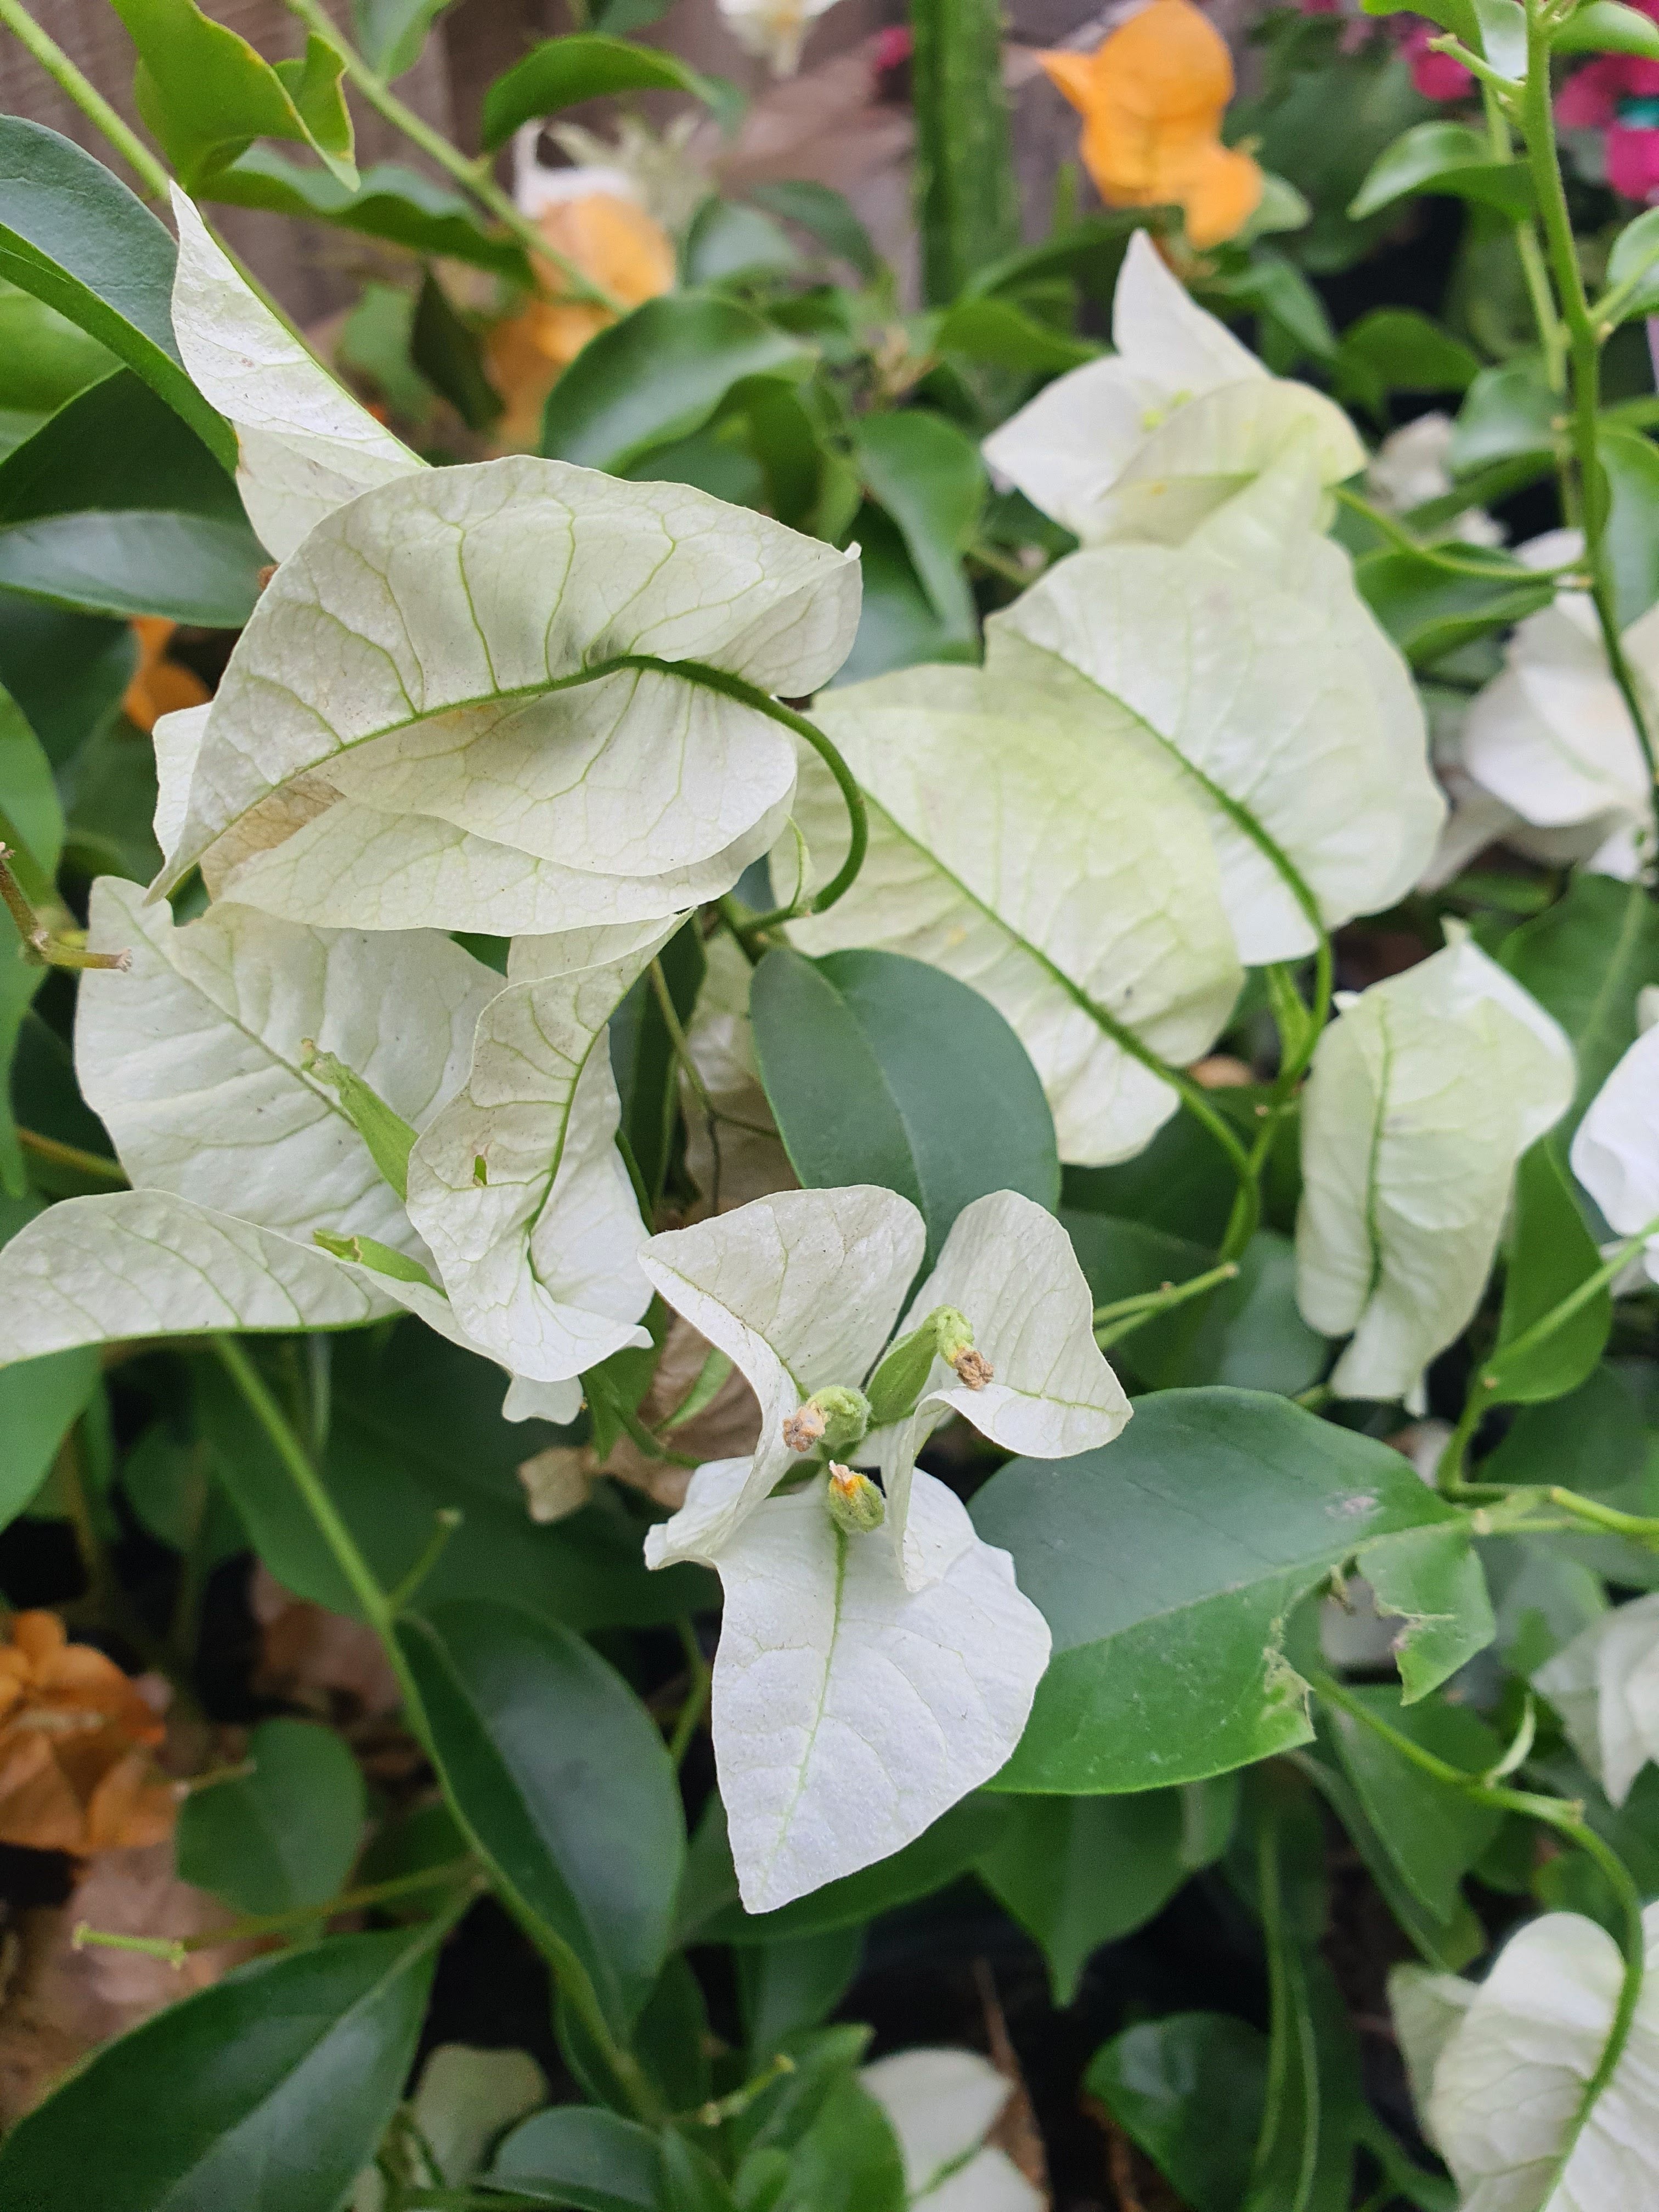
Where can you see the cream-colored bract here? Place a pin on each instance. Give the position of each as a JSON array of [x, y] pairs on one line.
[[1147, 442], [776, 30], [409, 731], [305, 445], [1028, 837], [866, 1682], [1615, 1148], [1508, 2064], [1605, 1685], [518, 1186], [942, 2104], [1248, 654], [241, 1154], [1422, 1097]]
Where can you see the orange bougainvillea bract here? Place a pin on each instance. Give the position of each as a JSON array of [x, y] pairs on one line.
[[76, 1740], [159, 686], [1152, 97], [615, 242]]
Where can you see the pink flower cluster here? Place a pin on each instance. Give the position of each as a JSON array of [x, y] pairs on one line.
[[1619, 94], [1436, 76]]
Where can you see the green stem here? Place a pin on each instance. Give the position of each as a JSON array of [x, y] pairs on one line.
[[72, 1156], [176, 1949], [652, 1446], [87, 98], [454, 163], [1530, 253], [1453, 564], [697, 1698], [1130, 1314], [1538, 129], [449, 1519]]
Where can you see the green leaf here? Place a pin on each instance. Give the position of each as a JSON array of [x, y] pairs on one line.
[[967, 204], [880, 1069], [1433, 1833], [1450, 158], [397, 204], [208, 95], [446, 351], [1429, 610], [267, 2091], [710, 1913], [168, 1482], [1508, 411], [1585, 961], [729, 244], [39, 1399], [67, 671], [848, 2160], [574, 2156], [1295, 316], [1447, 1945], [391, 33], [1190, 2090], [31, 812], [285, 1835], [1594, 1439], [116, 507], [1000, 333], [899, 625], [658, 374], [643, 1062], [794, 1983], [1604, 26], [823, 214], [1432, 1579], [560, 1777], [1167, 1564], [1630, 464], [928, 474], [1397, 349], [1079, 1872], [560, 72], [1634, 260], [74, 236], [1551, 1253]]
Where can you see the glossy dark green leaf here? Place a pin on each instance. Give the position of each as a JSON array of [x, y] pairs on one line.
[[1630, 462], [574, 2156], [446, 351], [1594, 1439], [1433, 1833], [1606, 27], [1551, 1253], [267, 2091], [169, 1484], [879, 1069], [285, 1834], [1167, 1564], [848, 2160], [1447, 1945], [74, 236], [208, 95], [1001, 332], [728, 243], [1429, 609], [1432, 1580], [67, 671], [899, 625], [560, 72], [116, 507], [1450, 158], [1585, 961], [31, 812], [39, 1401], [1079, 1872], [1398, 349], [658, 374], [928, 475], [1507, 411], [1633, 260], [1189, 2089], [109, 804], [564, 1783], [709, 1912], [823, 214], [793, 1983], [392, 202], [390, 32], [1293, 318]]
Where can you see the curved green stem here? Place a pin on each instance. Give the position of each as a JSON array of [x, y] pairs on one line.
[[175, 1949], [470, 176], [1124, 1314], [87, 98]]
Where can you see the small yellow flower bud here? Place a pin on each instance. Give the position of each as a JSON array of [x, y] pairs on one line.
[[855, 1504]]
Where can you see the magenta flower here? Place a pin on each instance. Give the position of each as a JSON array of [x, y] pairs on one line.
[[1436, 76]]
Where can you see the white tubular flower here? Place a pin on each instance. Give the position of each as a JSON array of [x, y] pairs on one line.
[[1147, 442], [941, 2105], [776, 30], [1615, 1148], [871, 1672], [1500, 2071], [1605, 1685], [1422, 1098], [1550, 736], [265, 1084]]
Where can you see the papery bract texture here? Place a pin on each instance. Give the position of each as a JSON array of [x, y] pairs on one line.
[[411, 731], [1146, 443], [1605, 1685], [942, 2104], [1615, 1148], [1028, 837], [1422, 1097], [305, 445]]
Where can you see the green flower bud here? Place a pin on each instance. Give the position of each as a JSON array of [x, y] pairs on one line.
[[388, 1136], [855, 1502], [903, 1376], [838, 1418], [369, 1252]]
